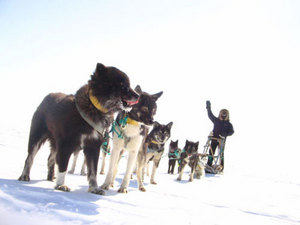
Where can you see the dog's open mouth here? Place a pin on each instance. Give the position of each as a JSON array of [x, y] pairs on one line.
[[129, 103]]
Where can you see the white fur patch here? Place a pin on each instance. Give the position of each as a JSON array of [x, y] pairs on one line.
[[60, 179], [93, 135]]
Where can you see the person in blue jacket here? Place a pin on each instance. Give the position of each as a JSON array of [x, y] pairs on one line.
[[222, 129]]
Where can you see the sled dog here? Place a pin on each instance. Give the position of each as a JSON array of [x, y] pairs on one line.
[[152, 150], [174, 154], [128, 134], [189, 156], [73, 122]]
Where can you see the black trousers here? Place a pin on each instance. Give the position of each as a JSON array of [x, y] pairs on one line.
[[214, 144]]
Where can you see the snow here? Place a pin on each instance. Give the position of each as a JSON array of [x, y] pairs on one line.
[[237, 197], [240, 55]]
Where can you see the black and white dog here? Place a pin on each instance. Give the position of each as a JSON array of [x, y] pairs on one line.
[[152, 150], [73, 122], [130, 130], [190, 156]]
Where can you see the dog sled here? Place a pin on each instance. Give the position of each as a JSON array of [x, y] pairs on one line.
[[216, 166]]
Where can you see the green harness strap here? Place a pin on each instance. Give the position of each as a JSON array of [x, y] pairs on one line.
[[117, 127]]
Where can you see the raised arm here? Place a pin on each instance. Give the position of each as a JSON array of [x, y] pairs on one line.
[[209, 112]]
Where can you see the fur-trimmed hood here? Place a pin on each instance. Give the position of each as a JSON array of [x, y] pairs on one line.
[[223, 111]]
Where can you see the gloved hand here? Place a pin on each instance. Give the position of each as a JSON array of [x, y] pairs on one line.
[[208, 104]]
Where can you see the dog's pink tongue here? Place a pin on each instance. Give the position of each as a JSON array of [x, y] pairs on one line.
[[131, 103]]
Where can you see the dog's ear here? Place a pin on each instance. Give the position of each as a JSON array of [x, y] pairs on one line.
[[100, 69], [156, 124], [157, 95], [138, 89], [197, 144], [169, 125]]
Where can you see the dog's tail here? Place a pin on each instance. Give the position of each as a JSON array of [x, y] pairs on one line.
[[38, 130]]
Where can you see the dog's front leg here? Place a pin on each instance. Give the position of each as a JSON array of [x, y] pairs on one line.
[[139, 171], [92, 157], [132, 155], [75, 157], [62, 160], [154, 168], [147, 169], [193, 167], [83, 167], [114, 157], [182, 165], [103, 162]]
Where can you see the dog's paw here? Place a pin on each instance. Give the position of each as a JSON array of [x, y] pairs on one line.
[[71, 171], [142, 189], [63, 188], [153, 182], [24, 178], [123, 190], [105, 186], [102, 172], [97, 191], [179, 178], [83, 174], [191, 179]]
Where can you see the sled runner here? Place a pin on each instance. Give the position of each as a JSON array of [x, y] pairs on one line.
[[216, 167]]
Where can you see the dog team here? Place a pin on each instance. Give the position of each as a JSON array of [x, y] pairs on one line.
[[83, 122]]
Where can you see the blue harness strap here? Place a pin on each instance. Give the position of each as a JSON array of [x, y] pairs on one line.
[[117, 126], [150, 150], [175, 153], [105, 147]]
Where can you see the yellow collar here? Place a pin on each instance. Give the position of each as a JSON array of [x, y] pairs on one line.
[[155, 142], [96, 102], [132, 122]]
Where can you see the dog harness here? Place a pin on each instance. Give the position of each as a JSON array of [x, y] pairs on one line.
[[97, 126], [118, 127], [175, 153]]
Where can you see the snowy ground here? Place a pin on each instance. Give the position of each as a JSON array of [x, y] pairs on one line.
[[237, 197]]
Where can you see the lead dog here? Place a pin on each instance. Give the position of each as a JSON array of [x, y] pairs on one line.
[[129, 133], [152, 149], [72, 122]]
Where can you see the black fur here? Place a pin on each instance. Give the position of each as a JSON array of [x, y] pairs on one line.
[[58, 120], [158, 137], [189, 155], [174, 154], [152, 150], [145, 109]]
